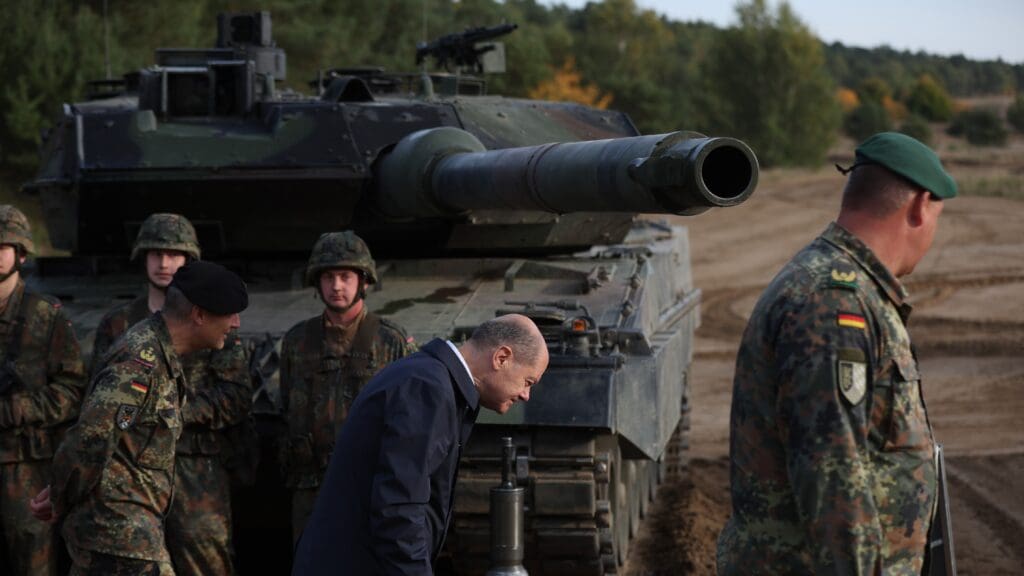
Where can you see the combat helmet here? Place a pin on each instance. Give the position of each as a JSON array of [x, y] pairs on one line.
[[340, 250], [166, 232], [15, 229]]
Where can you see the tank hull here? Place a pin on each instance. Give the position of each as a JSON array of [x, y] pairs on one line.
[[598, 432]]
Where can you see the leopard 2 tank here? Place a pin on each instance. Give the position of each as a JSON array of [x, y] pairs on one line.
[[473, 205]]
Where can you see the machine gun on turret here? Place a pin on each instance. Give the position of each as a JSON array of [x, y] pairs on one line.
[[463, 49]]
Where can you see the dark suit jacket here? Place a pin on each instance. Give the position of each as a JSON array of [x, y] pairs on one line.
[[386, 501]]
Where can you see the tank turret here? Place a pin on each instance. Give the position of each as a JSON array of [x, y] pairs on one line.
[[471, 205]]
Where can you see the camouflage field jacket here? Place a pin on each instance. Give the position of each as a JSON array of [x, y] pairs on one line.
[[113, 476], [832, 456], [44, 378], [320, 377], [218, 383]]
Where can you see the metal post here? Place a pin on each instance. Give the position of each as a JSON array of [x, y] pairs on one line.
[[508, 518]]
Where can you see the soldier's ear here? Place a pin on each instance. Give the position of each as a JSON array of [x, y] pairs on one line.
[[197, 315], [917, 208]]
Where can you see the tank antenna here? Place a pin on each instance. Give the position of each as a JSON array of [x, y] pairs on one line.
[[424, 28], [106, 40]]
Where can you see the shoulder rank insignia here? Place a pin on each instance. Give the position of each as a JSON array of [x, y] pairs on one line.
[[146, 357], [126, 414], [850, 320], [140, 386], [842, 279]]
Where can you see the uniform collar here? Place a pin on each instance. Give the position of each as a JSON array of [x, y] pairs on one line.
[[163, 337], [860, 253], [138, 309]]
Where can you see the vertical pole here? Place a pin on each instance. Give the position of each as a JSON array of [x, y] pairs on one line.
[[508, 518]]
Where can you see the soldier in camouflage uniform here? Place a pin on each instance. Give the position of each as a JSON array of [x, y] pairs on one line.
[[165, 242], [114, 475], [327, 359], [219, 397], [832, 457], [42, 381]]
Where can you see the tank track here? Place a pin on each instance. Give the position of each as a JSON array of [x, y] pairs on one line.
[[585, 499]]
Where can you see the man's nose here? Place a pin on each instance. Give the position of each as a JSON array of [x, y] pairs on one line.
[[236, 321]]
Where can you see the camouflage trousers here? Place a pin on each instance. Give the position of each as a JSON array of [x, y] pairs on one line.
[[29, 545], [198, 528], [302, 507], [89, 563]]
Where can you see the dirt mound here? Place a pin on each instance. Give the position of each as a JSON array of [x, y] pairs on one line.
[[679, 534]]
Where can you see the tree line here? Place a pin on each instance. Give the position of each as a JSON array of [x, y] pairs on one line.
[[766, 78]]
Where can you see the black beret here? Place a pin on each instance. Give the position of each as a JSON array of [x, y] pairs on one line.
[[212, 287]]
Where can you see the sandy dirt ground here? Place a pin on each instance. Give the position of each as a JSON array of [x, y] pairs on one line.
[[968, 326]]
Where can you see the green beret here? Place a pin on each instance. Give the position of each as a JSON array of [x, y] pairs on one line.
[[212, 287], [908, 158]]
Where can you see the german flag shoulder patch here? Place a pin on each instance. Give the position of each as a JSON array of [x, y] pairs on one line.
[[851, 320], [141, 387]]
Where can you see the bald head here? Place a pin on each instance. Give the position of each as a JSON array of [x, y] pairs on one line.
[[515, 331], [506, 356]]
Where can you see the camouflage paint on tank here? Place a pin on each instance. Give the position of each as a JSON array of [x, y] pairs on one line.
[[612, 295]]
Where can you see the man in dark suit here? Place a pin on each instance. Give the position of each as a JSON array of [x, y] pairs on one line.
[[386, 502]]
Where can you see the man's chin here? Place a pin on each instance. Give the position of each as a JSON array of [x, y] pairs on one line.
[[503, 408]]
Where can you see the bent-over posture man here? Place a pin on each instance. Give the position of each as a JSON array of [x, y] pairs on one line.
[[832, 458], [386, 503]]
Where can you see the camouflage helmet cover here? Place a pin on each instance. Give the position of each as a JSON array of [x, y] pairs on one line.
[[15, 229], [340, 250], [166, 232]]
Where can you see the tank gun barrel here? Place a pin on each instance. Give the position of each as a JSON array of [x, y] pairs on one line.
[[447, 172]]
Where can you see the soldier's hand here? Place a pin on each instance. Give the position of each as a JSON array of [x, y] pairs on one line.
[[41, 506]]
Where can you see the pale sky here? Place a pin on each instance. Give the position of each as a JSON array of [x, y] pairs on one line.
[[978, 29]]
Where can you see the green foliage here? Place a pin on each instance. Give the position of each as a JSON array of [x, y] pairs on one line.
[[766, 83], [867, 119], [874, 89], [980, 126], [767, 79], [1015, 113], [930, 100], [43, 67], [622, 50], [917, 127], [962, 77]]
